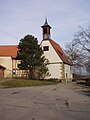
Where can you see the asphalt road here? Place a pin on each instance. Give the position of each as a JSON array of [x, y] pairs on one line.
[[65, 101]]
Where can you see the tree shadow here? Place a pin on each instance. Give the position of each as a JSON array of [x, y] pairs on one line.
[[85, 92]]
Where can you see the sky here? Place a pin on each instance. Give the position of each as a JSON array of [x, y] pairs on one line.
[[21, 17]]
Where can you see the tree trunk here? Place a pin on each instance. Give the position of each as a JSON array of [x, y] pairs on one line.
[[31, 74]]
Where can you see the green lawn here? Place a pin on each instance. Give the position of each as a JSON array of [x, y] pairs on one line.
[[26, 83]]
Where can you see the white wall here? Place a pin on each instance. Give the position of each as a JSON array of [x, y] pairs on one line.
[[55, 61], [68, 72], [55, 71], [51, 55], [7, 62]]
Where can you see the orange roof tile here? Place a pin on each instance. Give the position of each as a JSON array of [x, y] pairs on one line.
[[60, 52], [9, 50]]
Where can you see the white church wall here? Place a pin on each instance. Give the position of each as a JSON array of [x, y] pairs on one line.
[[54, 60], [68, 72], [6, 62], [51, 54], [55, 71]]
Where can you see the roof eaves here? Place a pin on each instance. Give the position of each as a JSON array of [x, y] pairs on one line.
[[2, 67]]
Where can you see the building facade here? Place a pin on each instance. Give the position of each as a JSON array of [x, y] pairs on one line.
[[2, 69], [59, 64]]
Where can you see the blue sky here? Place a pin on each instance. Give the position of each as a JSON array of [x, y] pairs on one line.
[[21, 17]]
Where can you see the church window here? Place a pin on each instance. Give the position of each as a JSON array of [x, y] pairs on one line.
[[45, 30], [46, 48]]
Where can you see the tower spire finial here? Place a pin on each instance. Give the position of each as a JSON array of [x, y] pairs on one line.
[[46, 29], [46, 23]]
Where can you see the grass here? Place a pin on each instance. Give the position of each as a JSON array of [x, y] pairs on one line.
[[26, 83]]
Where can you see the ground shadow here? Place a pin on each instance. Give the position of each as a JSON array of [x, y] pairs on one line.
[[85, 92]]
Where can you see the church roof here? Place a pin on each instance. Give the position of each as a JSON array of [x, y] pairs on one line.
[[8, 50], [11, 50], [60, 52]]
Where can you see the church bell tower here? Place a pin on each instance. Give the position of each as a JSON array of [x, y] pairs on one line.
[[46, 30]]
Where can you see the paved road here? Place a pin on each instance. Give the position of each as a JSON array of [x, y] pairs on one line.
[[55, 102]]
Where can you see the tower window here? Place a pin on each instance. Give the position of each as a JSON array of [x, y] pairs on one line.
[[45, 30], [46, 48]]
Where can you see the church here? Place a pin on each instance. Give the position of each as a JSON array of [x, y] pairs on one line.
[[59, 64]]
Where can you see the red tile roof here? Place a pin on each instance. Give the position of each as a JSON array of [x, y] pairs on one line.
[[60, 52], [9, 50]]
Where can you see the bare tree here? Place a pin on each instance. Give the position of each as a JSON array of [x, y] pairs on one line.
[[88, 65], [79, 49], [76, 56], [82, 39]]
